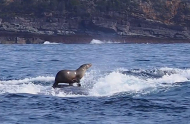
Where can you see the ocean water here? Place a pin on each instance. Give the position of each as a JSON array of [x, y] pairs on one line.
[[127, 83]]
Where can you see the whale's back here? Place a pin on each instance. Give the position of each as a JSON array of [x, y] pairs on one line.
[[73, 90]]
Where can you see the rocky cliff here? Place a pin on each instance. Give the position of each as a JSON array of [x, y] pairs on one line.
[[80, 21]]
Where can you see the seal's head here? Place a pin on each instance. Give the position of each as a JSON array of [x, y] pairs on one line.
[[82, 69], [85, 66]]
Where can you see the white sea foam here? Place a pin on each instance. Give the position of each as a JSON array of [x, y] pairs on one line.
[[116, 82], [98, 85], [26, 80], [95, 41], [26, 85], [47, 42]]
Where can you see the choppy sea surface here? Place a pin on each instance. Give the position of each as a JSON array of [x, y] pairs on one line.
[[127, 83]]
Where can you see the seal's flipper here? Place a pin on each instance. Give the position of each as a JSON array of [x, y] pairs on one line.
[[55, 84], [79, 85]]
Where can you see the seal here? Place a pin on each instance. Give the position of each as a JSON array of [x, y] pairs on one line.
[[70, 76]]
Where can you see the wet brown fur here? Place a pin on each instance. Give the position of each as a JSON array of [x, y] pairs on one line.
[[70, 76]]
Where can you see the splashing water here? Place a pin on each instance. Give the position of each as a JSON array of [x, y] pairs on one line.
[[97, 85], [94, 41], [47, 42], [117, 82]]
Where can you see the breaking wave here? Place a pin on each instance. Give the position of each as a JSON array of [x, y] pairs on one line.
[[95, 41], [47, 42], [97, 83]]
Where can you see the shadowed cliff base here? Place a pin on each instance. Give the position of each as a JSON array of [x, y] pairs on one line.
[[27, 38]]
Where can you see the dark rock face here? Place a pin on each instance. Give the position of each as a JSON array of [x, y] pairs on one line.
[[80, 21]]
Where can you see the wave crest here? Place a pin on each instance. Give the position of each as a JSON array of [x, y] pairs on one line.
[[98, 83], [95, 41]]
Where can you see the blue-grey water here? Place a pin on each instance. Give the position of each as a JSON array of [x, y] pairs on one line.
[[127, 83]]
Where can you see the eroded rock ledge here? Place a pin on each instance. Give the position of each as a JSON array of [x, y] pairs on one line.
[[80, 21]]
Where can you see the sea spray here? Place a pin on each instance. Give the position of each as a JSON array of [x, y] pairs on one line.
[[117, 82], [26, 80], [95, 41], [35, 85], [47, 42], [98, 83]]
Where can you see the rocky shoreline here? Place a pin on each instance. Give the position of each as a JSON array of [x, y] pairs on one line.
[[19, 38], [137, 21], [22, 31]]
